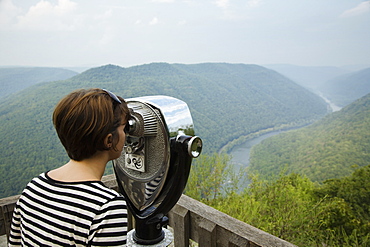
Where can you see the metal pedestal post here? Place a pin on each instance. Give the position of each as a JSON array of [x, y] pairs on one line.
[[168, 239]]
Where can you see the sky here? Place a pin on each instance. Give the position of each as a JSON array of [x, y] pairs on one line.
[[90, 33]]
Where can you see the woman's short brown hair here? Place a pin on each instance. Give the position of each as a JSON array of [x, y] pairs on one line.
[[83, 119]]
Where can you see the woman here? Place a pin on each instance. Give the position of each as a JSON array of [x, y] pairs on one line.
[[70, 206]]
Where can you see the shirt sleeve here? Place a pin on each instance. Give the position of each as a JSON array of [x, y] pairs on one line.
[[109, 227], [15, 232]]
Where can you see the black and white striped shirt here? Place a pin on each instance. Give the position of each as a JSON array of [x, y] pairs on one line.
[[53, 213]]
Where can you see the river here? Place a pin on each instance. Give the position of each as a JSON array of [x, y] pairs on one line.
[[332, 106], [240, 154]]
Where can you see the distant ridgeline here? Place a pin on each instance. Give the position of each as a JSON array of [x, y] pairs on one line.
[[339, 85], [15, 79], [330, 148], [226, 102], [347, 88]]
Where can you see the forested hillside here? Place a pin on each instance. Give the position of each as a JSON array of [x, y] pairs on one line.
[[15, 79], [226, 101], [347, 88], [330, 148], [292, 207]]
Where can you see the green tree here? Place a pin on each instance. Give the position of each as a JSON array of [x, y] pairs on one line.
[[212, 176], [346, 207]]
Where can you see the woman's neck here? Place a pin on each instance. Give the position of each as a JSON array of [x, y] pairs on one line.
[[91, 169]]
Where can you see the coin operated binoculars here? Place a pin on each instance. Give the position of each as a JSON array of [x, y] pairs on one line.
[[154, 166]]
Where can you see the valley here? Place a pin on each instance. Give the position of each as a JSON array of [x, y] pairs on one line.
[[303, 152], [226, 101]]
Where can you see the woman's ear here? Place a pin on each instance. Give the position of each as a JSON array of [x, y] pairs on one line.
[[108, 141]]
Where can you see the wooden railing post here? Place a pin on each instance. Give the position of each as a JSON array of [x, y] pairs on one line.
[[6, 212], [207, 234], [180, 222]]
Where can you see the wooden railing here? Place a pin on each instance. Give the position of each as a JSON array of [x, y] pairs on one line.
[[189, 219]]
